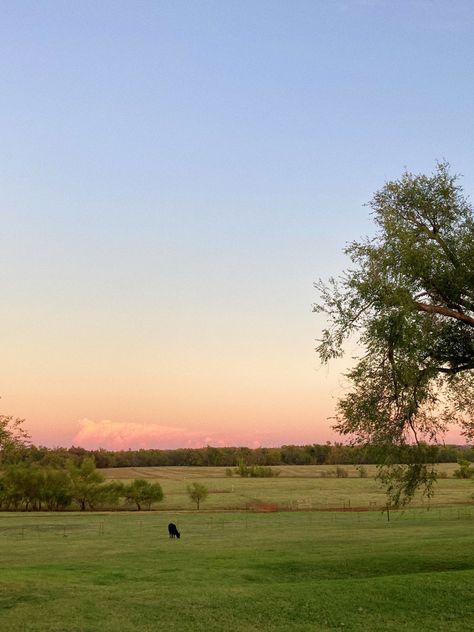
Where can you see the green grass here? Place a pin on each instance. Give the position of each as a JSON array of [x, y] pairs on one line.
[[302, 571], [297, 487]]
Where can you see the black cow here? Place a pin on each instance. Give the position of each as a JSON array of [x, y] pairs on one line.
[[173, 531]]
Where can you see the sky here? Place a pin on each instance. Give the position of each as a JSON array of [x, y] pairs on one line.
[[174, 176]]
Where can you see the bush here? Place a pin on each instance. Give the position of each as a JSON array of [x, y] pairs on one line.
[[362, 471], [263, 471], [255, 471]]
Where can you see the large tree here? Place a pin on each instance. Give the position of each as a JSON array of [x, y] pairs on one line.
[[409, 296]]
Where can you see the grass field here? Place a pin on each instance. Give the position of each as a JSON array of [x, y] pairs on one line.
[[318, 568], [301, 571], [297, 487]]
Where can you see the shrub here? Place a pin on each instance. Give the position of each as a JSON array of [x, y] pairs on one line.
[[255, 471], [464, 470]]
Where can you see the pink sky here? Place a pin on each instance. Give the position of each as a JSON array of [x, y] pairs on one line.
[[235, 394], [122, 435]]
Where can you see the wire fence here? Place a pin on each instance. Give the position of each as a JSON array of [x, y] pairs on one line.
[[201, 524]]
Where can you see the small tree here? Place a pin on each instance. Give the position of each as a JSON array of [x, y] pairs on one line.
[[242, 469], [197, 492], [465, 470], [143, 492]]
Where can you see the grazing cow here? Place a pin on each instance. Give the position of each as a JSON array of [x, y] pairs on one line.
[[173, 531]]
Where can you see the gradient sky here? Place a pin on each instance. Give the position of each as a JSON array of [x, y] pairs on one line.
[[175, 175]]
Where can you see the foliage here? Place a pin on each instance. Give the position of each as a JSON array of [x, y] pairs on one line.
[[57, 492], [197, 493], [13, 437], [409, 296], [142, 492], [86, 483], [34, 487], [465, 470], [255, 471], [312, 454], [37, 487]]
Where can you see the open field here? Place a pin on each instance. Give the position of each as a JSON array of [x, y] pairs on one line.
[[301, 571], [296, 488]]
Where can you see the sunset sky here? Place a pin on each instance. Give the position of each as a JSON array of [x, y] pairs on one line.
[[175, 175]]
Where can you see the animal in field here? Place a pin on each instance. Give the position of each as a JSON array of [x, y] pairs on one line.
[[173, 531]]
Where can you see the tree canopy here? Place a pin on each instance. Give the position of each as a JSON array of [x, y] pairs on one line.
[[13, 436], [142, 492], [409, 296], [197, 492]]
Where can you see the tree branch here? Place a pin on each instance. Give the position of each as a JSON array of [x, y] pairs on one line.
[[455, 369], [445, 311]]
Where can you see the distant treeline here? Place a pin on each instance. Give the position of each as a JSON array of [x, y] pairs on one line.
[[315, 454]]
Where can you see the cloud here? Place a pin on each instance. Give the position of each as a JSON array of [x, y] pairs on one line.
[[115, 435]]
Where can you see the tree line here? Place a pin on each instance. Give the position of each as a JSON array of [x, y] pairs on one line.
[[312, 454], [46, 487]]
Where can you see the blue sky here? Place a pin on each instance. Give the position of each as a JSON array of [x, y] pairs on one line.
[[174, 177]]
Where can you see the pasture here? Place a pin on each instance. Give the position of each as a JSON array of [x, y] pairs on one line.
[[303, 487], [299, 571]]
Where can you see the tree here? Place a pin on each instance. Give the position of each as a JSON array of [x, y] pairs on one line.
[[409, 295], [13, 436], [86, 483], [197, 492], [57, 488], [143, 492], [19, 485]]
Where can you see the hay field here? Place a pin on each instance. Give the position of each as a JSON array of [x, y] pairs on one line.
[[296, 488]]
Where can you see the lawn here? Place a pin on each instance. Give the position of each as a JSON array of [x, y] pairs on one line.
[[119, 572]]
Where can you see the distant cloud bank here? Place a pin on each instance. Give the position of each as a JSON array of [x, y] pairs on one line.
[[114, 435]]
